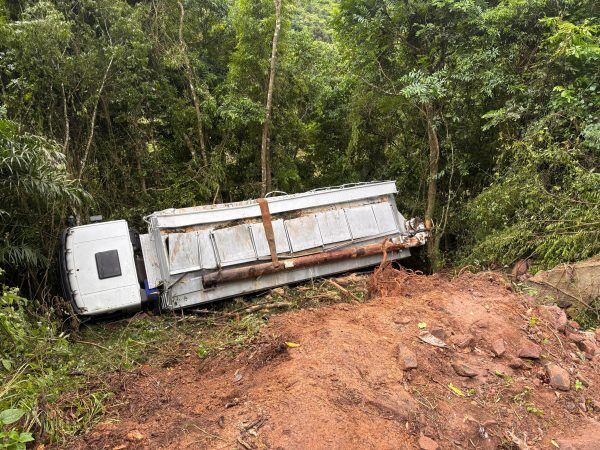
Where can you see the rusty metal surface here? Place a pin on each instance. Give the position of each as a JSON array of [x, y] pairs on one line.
[[268, 227], [258, 270], [238, 248]]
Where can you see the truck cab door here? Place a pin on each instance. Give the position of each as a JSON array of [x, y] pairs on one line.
[[99, 271]]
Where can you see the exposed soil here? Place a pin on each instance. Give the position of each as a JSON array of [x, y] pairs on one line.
[[349, 383]]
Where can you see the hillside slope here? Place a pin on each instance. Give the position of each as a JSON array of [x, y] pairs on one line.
[[509, 373]]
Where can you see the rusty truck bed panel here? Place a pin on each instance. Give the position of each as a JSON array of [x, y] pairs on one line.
[[206, 253]]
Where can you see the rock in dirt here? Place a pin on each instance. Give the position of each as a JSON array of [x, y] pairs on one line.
[[559, 377], [498, 347], [402, 321], [464, 370], [430, 339], [588, 347], [565, 281], [516, 363], [406, 358], [397, 406], [597, 334], [135, 435], [439, 333], [462, 340], [575, 337], [520, 268], [426, 443], [530, 350], [556, 316]]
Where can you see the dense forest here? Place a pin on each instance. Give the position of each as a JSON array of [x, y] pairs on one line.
[[485, 112]]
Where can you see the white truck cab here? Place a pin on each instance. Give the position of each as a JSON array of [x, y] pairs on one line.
[[98, 268]]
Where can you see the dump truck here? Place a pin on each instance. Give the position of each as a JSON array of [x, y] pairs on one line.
[[196, 255]]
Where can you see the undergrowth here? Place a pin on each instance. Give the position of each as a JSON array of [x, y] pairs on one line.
[[57, 384]]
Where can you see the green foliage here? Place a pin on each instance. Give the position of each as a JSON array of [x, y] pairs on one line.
[[53, 386], [544, 200], [34, 189], [511, 86], [588, 318], [57, 384], [34, 356], [13, 439]]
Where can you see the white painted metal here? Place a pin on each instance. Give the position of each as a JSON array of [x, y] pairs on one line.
[[345, 216], [151, 262], [303, 233], [183, 253], [333, 226], [362, 221], [91, 294], [260, 240], [384, 216], [173, 218], [206, 250], [234, 245]]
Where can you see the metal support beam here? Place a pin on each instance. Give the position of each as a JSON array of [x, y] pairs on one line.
[[257, 270], [268, 225]]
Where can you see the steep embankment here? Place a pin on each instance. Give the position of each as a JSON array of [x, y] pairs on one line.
[[502, 371]]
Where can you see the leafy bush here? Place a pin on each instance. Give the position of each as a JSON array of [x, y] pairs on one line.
[[35, 189], [527, 214], [544, 201], [13, 439], [35, 363]]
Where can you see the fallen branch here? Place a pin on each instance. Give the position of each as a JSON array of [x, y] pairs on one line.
[[588, 306], [246, 309], [91, 343], [342, 289], [260, 307], [204, 311], [244, 444]]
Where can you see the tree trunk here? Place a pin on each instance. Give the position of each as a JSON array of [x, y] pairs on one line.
[[67, 124], [265, 153], [93, 120], [190, 78], [139, 155], [138, 164], [434, 158]]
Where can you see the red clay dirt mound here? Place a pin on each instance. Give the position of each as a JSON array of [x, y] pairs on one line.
[[428, 362]]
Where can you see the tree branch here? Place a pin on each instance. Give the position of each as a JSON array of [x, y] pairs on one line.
[[93, 120]]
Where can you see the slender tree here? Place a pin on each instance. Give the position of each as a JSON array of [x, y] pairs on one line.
[[265, 152], [189, 73]]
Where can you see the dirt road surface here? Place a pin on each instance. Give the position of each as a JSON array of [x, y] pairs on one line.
[[428, 362]]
